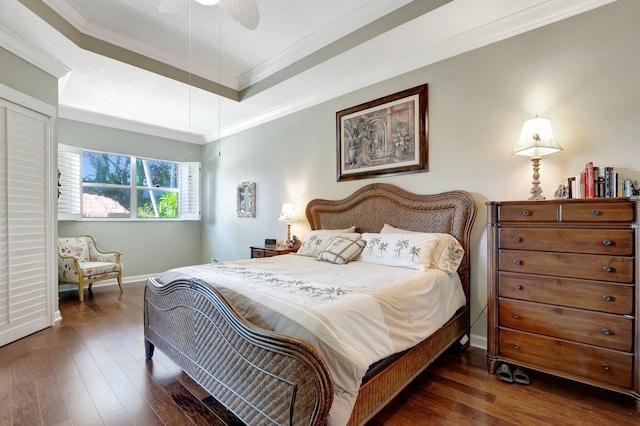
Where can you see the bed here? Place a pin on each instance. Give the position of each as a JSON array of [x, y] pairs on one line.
[[268, 377]]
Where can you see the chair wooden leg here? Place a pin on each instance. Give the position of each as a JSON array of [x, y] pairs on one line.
[[120, 280], [81, 291]]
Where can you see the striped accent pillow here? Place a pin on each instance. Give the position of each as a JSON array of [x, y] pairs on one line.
[[341, 250]]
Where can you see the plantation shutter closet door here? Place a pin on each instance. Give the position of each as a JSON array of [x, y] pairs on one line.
[[24, 296]]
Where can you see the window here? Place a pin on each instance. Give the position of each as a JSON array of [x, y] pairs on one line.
[[102, 185]]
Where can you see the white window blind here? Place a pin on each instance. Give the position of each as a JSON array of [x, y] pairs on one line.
[[70, 183], [190, 191]]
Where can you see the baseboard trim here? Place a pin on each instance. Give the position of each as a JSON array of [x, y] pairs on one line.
[[125, 280], [478, 341]]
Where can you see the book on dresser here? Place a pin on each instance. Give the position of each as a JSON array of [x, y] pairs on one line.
[[562, 289], [595, 182], [589, 184]]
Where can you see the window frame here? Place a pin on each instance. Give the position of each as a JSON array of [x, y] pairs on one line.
[[70, 201]]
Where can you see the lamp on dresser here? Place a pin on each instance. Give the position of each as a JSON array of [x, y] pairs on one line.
[[289, 215], [536, 140]]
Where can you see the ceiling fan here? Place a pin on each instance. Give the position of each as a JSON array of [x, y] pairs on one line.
[[244, 11]]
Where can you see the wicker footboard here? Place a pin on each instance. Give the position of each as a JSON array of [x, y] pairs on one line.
[[261, 376]]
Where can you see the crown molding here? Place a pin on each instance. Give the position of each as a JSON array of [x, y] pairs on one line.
[[325, 36], [84, 116], [119, 53], [36, 57], [67, 11], [485, 33]]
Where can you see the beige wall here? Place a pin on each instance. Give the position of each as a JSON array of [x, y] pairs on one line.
[[582, 73], [28, 79], [147, 247]]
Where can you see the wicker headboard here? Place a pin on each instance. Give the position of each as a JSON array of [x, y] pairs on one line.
[[370, 207]]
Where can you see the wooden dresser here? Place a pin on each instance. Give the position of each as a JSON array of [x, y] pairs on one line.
[[562, 289]]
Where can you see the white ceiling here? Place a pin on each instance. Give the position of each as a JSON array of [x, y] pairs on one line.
[[303, 52]]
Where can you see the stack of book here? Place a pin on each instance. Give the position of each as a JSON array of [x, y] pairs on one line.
[[596, 182]]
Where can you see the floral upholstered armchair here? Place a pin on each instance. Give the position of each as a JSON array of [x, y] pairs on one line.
[[81, 262]]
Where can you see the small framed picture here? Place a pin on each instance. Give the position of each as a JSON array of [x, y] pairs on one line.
[[246, 199]]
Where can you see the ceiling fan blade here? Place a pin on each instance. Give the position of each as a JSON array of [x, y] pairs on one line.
[[244, 11]]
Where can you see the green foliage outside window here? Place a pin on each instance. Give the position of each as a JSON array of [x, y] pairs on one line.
[[167, 206]]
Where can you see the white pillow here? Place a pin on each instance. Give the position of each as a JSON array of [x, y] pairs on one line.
[[446, 255], [340, 250], [315, 241], [388, 229], [349, 229], [404, 250]]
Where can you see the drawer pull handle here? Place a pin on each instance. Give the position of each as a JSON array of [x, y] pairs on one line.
[[517, 316], [518, 262], [606, 268], [606, 331], [607, 298], [607, 242], [516, 346], [517, 286], [526, 212], [595, 212], [605, 367], [517, 239]]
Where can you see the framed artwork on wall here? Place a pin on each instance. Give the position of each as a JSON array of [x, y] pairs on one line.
[[387, 136], [246, 199]]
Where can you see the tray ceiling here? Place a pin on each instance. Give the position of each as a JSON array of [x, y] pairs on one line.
[[125, 64]]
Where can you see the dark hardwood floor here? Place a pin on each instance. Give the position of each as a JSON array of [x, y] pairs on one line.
[[90, 369]]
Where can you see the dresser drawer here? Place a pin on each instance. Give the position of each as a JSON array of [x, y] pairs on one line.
[[582, 360], [593, 328], [597, 212], [587, 266], [534, 212], [583, 294], [594, 241]]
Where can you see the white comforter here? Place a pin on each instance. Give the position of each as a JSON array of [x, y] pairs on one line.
[[354, 314]]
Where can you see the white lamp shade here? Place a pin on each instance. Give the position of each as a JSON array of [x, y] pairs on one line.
[[288, 213], [536, 139]]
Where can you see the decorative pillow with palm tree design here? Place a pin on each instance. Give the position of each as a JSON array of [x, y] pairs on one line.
[[315, 241], [411, 251], [446, 256]]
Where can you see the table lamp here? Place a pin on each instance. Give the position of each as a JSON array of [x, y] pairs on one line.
[[536, 141], [289, 215]]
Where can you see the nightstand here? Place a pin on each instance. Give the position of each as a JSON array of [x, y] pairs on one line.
[[269, 251]]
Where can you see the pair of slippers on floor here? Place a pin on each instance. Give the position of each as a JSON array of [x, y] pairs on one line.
[[519, 375]]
